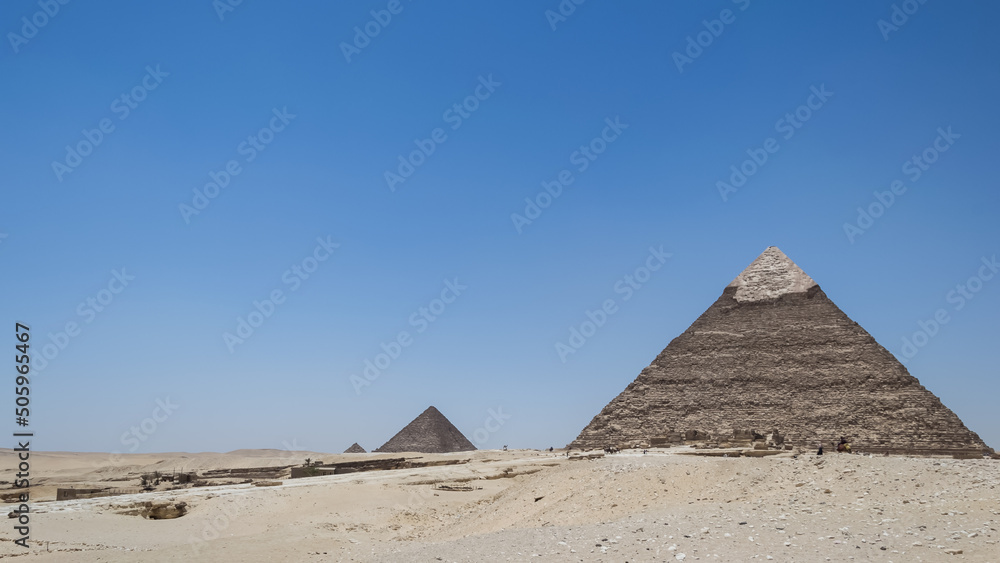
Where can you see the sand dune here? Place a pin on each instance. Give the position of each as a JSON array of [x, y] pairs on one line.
[[523, 504]]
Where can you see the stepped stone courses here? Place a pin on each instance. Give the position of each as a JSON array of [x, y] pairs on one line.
[[773, 353], [430, 433], [355, 449]]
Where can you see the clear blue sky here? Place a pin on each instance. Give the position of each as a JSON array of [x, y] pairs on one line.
[[196, 86]]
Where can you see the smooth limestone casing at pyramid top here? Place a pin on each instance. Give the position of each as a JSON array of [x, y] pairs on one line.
[[774, 353]]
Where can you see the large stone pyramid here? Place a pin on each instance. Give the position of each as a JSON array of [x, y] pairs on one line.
[[430, 433], [355, 449], [774, 353]]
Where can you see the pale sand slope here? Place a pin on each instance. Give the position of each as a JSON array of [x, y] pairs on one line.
[[637, 508]]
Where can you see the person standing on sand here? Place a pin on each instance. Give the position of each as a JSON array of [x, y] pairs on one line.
[[820, 452]]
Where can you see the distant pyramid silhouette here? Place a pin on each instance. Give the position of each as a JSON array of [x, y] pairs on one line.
[[429, 433], [355, 449], [774, 353]]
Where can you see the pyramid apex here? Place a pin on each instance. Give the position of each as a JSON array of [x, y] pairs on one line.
[[769, 276]]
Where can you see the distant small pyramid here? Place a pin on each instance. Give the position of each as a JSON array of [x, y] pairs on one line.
[[429, 433], [774, 353], [355, 449]]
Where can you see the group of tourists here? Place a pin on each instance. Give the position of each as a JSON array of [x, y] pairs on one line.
[[844, 446]]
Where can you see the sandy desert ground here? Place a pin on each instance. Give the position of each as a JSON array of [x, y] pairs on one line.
[[526, 506]]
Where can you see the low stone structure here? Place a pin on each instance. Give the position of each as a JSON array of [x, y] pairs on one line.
[[73, 493], [377, 464], [269, 472]]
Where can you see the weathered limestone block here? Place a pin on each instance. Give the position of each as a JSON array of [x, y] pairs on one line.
[[696, 436]]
